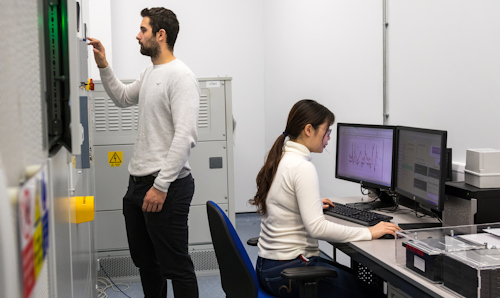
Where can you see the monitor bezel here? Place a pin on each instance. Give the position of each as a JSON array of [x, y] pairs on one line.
[[367, 184], [423, 203]]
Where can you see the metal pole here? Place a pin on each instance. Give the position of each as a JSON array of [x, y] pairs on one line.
[[385, 24]]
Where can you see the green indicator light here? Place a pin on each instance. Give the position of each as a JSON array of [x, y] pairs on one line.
[[63, 19]]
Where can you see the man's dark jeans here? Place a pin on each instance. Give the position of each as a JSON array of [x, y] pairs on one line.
[[158, 241]]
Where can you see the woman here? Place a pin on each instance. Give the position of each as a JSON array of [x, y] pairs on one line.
[[291, 207]]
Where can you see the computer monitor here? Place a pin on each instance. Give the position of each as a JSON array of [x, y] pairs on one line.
[[365, 156], [421, 166]]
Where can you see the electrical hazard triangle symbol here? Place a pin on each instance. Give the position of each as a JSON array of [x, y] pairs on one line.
[[115, 158]]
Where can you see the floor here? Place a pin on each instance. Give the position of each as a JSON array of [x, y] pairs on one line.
[[247, 226]]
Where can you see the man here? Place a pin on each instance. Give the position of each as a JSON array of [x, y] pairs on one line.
[[161, 187]]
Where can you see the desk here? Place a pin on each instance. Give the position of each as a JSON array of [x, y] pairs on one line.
[[379, 256]]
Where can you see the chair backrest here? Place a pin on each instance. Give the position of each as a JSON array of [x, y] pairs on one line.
[[236, 270]]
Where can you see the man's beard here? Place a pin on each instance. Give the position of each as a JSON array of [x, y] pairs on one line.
[[152, 51]]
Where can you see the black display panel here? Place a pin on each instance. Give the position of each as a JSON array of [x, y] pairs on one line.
[[421, 166]]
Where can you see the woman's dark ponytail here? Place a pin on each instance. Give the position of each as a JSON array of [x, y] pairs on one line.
[[306, 111], [267, 173]]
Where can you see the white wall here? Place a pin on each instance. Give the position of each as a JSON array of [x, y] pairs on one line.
[[443, 69], [329, 51], [99, 26], [216, 38]]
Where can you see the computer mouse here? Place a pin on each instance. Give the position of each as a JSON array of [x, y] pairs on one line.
[[387, 236]]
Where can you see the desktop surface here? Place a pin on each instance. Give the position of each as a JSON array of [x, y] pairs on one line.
[[380, 255]]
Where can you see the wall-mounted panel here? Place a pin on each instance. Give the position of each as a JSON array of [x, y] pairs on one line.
[[212, 113], [111, 174], [199, 232], [210, 175], [111, 233]]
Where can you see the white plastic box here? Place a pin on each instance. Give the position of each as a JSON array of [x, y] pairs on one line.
[[482, 168]]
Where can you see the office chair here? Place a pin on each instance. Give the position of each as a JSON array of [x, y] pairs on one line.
[[238, 276]]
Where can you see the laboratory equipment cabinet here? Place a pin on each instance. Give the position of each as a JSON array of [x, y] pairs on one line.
[[211, 162]]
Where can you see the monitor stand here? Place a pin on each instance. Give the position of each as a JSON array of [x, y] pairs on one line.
[[384, 200]]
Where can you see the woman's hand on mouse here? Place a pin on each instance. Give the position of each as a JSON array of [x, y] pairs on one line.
[[383, 228], [327, 203]]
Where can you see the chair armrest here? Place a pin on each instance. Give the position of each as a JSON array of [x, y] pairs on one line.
[[253, 241], [309, 273]]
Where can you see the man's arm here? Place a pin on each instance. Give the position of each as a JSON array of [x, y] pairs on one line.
[[122, 95]]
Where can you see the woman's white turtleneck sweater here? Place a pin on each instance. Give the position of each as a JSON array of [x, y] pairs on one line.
[[294, 219]]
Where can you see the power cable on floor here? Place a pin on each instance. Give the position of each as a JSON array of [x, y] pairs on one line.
[[109, 283]]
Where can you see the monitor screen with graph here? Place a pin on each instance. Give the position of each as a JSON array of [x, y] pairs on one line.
[[365, 155], [421, 166]]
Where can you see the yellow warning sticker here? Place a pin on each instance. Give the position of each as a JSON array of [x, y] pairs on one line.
[[115, 158]]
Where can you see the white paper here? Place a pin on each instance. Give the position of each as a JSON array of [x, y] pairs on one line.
[[419, 263], [495, 232]]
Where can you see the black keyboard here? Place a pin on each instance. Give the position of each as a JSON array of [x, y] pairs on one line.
[[356, 215]]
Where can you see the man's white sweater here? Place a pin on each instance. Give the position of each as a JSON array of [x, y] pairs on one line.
[[294, 219], [168, 96]]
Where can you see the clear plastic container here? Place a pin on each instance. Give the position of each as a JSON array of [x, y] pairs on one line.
[[465, 259]]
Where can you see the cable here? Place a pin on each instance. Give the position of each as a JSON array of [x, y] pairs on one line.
[[391, 209], [400, 211], [432, 214], [368, 202], [109, 284], [101, 291], [388, 209], [415, 208], [361, 189], [436, 216]]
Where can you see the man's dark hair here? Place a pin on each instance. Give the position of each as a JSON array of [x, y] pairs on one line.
[[162, 18]]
